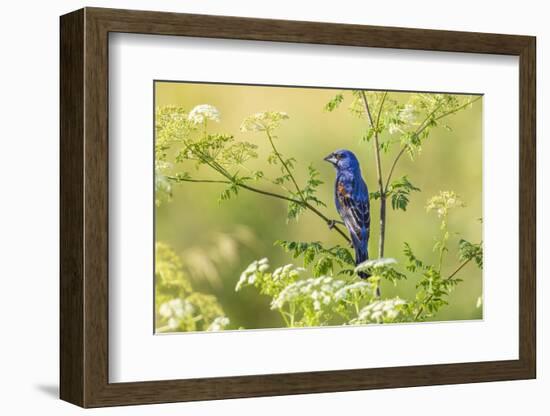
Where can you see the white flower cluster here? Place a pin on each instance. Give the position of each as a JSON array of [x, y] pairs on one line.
[[375, 264], [408, 114], [407, 117], [265, 121], [286, 272], [250, 274], [394, 128], [161, 181], [443, 202], [219, 323], [357, 287], [175, 311], [320, 290], [379, 311], [203, 112], [162, 164]]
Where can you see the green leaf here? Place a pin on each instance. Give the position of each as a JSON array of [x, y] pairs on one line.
[[324, 260], [414, 262], [469, 251], [310, 190], [368, 135], [374, 195], [335, 102], [381, 268], [386, 146], [400, 190]]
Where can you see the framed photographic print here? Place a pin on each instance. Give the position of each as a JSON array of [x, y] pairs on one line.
[[256, 207]]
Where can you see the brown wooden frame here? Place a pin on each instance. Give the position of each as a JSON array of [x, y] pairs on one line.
[[84, 207]]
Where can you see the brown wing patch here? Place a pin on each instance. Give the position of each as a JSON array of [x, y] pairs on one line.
[[341, 191]]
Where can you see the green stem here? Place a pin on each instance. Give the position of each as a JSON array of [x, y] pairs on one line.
[[176, 179], [205, 158], [356, 304], [271, 194], [285, 166], [375, 125], [292, 313], [268, 180], [429, 298], [443, 244], [283, 315]]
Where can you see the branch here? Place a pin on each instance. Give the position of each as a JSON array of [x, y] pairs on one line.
[[380, 109], [303, 201], [271, 194], [453, 274], [241, 185], [381, 189], [367, 108], [176, 179], [280, 157], [208, 160]]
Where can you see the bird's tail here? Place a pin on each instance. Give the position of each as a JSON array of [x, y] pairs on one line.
[[364, 275], [360, 257]]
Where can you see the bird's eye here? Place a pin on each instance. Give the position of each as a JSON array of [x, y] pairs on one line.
[[339, 156]]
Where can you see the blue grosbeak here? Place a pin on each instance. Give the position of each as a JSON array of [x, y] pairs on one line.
[[351, 197]]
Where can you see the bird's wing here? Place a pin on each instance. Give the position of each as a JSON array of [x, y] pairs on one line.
[[355, 212]]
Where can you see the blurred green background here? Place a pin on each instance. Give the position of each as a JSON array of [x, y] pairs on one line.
[[218, 240]]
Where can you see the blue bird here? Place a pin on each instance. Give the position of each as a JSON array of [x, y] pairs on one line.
[[351, 197]]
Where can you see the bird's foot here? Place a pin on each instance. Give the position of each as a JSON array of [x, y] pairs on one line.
[[332, 223]]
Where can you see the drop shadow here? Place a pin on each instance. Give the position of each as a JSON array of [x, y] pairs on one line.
[[51, 390]]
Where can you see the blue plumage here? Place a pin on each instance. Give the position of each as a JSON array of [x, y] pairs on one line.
[[351, 197]]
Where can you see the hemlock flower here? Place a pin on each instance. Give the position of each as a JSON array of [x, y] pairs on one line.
[[319, 291], [204, 112], [287, 271], [406, 118], [248, 276], [176, 307], [175, 311], [407, 115], [357, 287], [379, 311], [219, 323], [264, 121], [443, 202], [163, 188], [375, 264]]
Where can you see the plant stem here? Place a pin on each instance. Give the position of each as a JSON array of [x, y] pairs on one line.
[[283, 315], [303, 201], [271, 194], [268, 180], [375, 125], [356, 304], [453, 274], [443, 244], [292, 313], [285, 166], [176, 179]]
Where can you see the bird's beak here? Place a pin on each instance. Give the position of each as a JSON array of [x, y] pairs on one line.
[[331, 159]]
